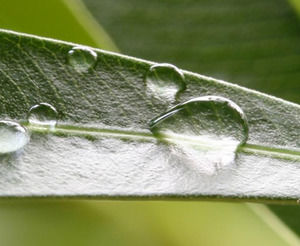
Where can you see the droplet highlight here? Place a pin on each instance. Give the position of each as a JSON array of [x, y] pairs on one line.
[[165, 81], [13, 137], [205, 131], [82, 58], [43, 114]]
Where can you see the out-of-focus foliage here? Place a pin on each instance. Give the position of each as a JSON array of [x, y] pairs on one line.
[[251, 42], [132, 223], [57, 19]]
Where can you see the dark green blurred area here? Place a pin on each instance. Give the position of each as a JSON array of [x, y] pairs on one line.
[[290, 215], [254, 43]]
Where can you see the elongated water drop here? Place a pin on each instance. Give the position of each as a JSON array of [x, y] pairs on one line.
[[43, 114], [205, 130], [13, 137], [165, 81], [82, 58]]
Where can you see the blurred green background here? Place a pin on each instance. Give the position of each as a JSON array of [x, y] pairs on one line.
[[252, 43]]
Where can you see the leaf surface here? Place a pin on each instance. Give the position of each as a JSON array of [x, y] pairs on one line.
[[102, 145]]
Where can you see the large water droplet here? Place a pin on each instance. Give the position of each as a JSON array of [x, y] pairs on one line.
[[43, 114], [13, 137], [205, 130], [165, 81], [82, 58]]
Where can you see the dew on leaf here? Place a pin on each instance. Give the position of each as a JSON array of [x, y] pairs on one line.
[[43, 114], [82, 58], [13, 137], [206, 131], [165, 81]]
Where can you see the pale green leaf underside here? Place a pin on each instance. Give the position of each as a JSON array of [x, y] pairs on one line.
[[102, 146]]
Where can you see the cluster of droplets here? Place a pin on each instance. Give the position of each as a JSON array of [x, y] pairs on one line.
[[208, 129], [14, 136]]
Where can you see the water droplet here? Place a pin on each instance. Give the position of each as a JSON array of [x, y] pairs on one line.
[[205, 130], [43, 114], [82, 58], [165, 81], [13, 137]]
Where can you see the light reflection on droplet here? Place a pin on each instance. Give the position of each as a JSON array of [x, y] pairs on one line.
[[43, 114], [13, 137], [165, 81], [206, 130], [82, 58]]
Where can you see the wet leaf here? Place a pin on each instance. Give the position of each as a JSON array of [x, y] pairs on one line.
[[102, 145]]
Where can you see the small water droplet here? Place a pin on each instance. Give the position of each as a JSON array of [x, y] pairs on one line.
[[43, 114], [82, 58], [13, 137], [165, 81], [207, 130]]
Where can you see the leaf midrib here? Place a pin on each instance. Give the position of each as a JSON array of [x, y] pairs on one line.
[[94, 133]]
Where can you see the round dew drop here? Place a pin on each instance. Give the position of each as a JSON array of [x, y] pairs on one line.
[[43, 114], [212, 116], [165, 81], [13, 137], [208, 130], [82, 58]]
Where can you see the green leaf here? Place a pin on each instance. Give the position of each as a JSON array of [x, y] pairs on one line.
[[102, 145]]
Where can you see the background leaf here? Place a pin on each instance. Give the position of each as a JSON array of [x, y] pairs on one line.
[[59, 19], [135, 223], [253, 43]]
